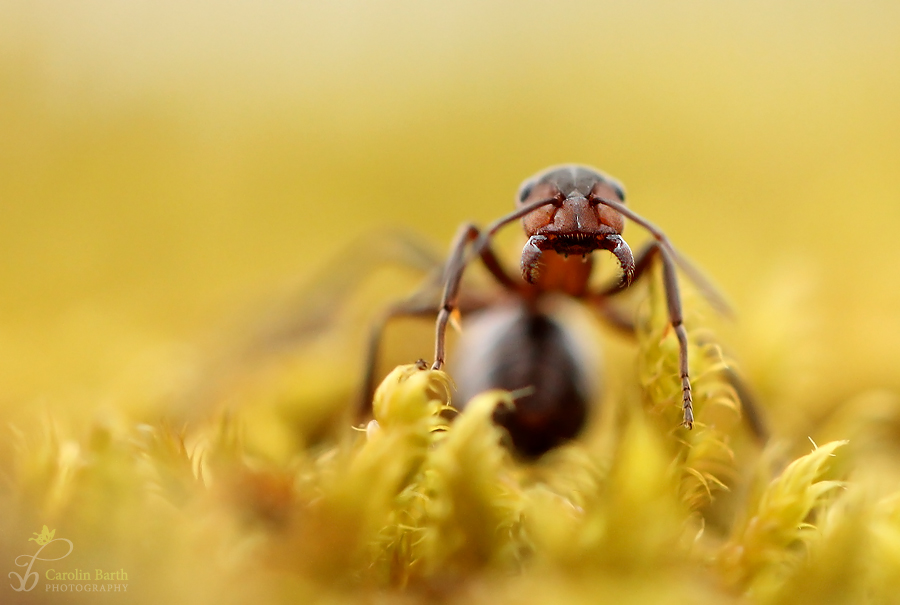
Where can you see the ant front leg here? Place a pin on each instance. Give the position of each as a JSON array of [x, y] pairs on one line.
[[676, 318], [456, 264], [751, 409]]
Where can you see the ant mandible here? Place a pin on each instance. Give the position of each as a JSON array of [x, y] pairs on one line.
[[567, 212]]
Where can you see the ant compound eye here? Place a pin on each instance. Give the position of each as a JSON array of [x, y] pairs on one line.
[[525, 191], [619, 191]]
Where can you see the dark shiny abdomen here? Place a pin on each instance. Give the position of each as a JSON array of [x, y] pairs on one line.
[[517, 349]]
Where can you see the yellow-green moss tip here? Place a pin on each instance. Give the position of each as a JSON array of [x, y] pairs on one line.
[[429, 503]]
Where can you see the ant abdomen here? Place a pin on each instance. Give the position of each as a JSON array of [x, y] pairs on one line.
[[534, 354]]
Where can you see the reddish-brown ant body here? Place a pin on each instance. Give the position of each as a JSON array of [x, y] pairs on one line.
[[567, 212]]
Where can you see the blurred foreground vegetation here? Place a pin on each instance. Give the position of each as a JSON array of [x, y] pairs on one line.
[[417, 508]]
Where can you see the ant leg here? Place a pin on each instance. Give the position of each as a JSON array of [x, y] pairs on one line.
[[312, 308], [613, 317], [676, 319], [673, 302], [458, 261], [600, 299], [750, 407], [456, 264], [307, 309], [410, 307], [752, 411], [419, 305], [706, 288]]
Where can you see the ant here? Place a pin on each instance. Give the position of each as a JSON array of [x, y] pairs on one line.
[[567, 212]]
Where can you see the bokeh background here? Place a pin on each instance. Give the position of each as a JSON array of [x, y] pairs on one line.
[[165, 166]]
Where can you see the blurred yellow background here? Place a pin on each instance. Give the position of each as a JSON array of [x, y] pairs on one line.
[[165, 164]]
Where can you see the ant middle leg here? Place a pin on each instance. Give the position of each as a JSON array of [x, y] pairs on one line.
[[421, 304], [411, 307]]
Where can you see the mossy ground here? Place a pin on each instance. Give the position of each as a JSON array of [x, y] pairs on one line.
[[416, 508]]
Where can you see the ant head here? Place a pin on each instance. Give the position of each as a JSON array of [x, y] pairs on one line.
[[574, 195], [574, 220]]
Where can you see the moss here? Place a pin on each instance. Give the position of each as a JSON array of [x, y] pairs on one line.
[[417, 508]]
